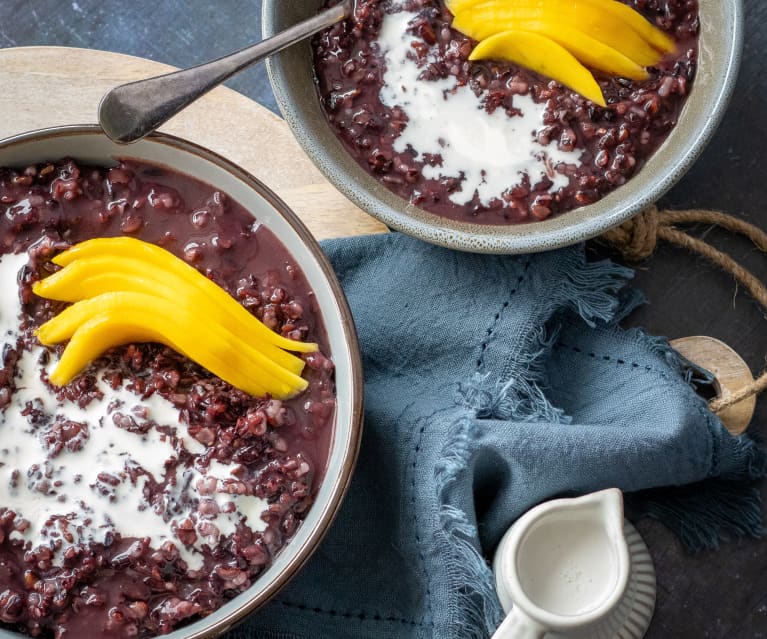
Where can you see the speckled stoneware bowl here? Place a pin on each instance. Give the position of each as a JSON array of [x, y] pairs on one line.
[[89, 145], [292, 77]]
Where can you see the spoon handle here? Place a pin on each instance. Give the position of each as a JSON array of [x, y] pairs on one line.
[[129, 112]]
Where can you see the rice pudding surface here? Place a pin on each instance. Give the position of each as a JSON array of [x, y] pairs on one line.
[[147, 492], [490, 142]]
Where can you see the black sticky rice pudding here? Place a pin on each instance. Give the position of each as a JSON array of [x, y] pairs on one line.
[[147, 492], [398, 89]]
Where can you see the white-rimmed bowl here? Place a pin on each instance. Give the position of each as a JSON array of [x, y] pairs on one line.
[[87, 144], [293, 81]]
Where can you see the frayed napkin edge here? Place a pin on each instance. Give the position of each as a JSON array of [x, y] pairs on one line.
[[700, 515]]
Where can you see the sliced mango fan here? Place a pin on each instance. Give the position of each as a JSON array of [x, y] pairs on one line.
[[125, 290], [562, 39]]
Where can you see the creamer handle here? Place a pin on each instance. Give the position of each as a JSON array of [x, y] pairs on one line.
[[518, 625]]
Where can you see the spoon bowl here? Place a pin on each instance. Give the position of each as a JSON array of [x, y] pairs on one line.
[[130, 111]]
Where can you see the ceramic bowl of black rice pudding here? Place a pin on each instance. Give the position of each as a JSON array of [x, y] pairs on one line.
[[148, 496], [487, 155]]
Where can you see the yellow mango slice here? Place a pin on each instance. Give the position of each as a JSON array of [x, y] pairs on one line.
[[540, 54], [167, 263], [457, 6], [88, 277], [589, 51], [616, 10], [87, 342], [491, 19], [657, 38], [113, 319]]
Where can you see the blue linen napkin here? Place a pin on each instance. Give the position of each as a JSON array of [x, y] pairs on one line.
[[492, 384]]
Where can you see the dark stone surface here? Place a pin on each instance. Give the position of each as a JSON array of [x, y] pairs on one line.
[[179, 33], [719, 594]]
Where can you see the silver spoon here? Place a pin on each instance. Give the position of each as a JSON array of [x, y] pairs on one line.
[[130, 111]]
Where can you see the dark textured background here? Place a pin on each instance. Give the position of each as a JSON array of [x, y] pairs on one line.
[[717, 594]]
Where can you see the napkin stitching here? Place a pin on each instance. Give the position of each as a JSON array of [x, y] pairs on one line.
[[362, 616], [419, 545], [612, 358], [483, 345], [494, 325]]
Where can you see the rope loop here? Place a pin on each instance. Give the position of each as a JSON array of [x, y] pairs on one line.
[[637, 239]]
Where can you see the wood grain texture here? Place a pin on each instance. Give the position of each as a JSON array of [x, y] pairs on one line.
[[731, 373], [49, 86]]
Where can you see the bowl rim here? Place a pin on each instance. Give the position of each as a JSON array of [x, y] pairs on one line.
[[342, 479], [608, 212]]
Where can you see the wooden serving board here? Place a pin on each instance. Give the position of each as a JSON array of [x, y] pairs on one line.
[[49, 86]]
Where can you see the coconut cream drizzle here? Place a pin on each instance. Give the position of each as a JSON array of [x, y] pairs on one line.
[[492, 151], [81, 496]]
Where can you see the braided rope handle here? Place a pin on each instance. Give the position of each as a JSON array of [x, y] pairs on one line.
[[637, 239]]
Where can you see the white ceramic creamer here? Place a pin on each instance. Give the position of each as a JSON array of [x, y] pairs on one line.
[[565, 565]]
